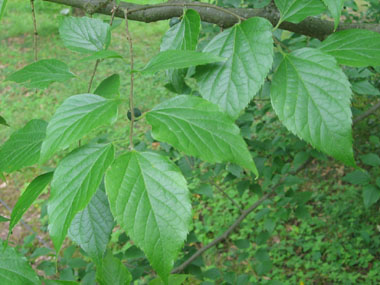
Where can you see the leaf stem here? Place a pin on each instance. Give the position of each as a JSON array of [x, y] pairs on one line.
[[131, 106], [93, 75], [35, 34]]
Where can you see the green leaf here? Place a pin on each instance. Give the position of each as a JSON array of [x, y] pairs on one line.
[[297, 10], [76, 117], [3, 121], [92, 227], [183, 36], [311, 96], [23, 147], [179, 59], [364, 87], [27, 198], [3, 219], [232, 84], [103, 54], [357, 177], [335, 7], [197, 127], [42, 73], [109, 87], [354, 47], [74, 183], [3, 3], [174, 279], [371, 194], [14, 268], [85, 35], [113, 271], [150, 200], [371, 159]]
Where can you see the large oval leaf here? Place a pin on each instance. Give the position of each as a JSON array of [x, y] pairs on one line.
[[42, 73], [297, 10], [92, 227], [197, 127], [27, 198], [248, 48], [311, 96], [354, 47], [150, 200], [23, 147], [77, 116], [74, 183], [14, 268], [85, 34]]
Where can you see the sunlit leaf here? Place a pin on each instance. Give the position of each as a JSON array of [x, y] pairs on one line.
[[150, 200], [77, 116], [354, 47], [27, 198], [42, 73], [86, 35], [311, 95], [233, 83], [23, 147], [197, 127], [74, 183], [297, 10]]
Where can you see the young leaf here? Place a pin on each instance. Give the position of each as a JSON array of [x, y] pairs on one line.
[[183, 36], [150, 200], [248, 48], [85, 35], [3, 3], [42, 73], [3, 121], [364, 87], [92, 227], [335, 7], [371, 159], [109, 87], [354, 47], [296, 11], [371, 194], [311, 96], [77, 116], [74, 183], [103, 54], [197, 127], [179, 59], [113, 271], [23, 147], [14, 268], [27, 198]]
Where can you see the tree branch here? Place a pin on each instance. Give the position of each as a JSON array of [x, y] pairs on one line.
[[311, 26]]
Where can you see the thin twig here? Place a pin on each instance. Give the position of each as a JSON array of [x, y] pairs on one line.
[[367, 113], [228, 197], [199, 4], [114, 9], [93, 75], [35, 35], [131, 106]]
